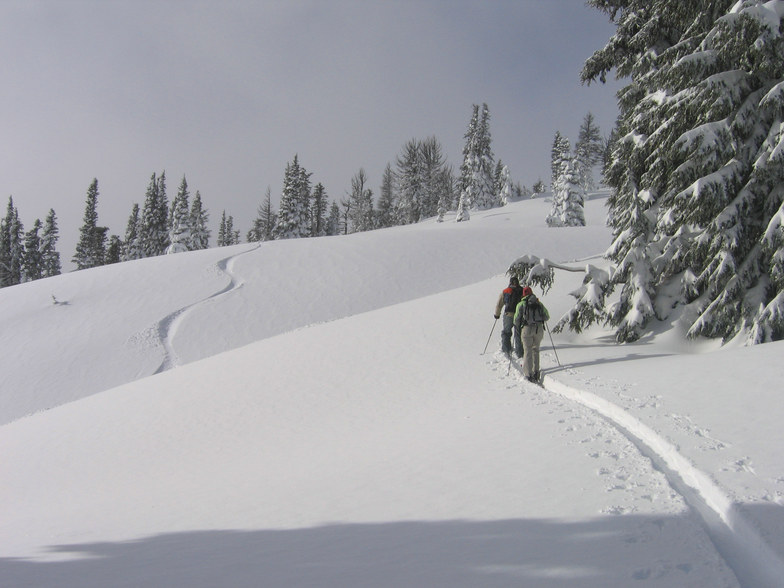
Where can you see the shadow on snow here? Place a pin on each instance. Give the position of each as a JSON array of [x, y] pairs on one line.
[[603, 552]]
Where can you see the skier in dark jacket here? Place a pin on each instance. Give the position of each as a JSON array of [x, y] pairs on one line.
[[507, 302], [529, 321]]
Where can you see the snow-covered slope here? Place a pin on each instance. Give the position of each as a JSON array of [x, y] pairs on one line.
[[319, 413]]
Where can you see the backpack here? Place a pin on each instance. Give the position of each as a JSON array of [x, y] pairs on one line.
[[512, 297], [534, 312]]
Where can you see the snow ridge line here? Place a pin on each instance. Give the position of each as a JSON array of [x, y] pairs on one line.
[[167, 327], [752, 560]]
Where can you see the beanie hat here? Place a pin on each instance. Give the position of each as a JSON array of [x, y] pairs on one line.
[[527, 291], [513, 281]]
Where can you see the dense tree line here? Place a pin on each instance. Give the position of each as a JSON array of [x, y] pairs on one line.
[[153, 229], [31, 255], [419, 184]]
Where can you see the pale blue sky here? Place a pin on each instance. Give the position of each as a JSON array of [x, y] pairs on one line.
[[226, 92]]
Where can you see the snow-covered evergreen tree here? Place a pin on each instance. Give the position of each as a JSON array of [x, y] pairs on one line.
[[223, 240], [588, 151], [484, 176], [503, 186], [435, 178], [11, 247], [698, 171], [387, 216], [154, 230], [559, 155], [465, 198], [573, 195], [199, 218], [91, 247], [561, 158], [227, 235], [318, 211], [32, 265], [609, 145], [477, 173], [233, 234], [555, 217], [50, 258], [132, 246], [180, 237], [423, 181], [163, 213], [360, 209], [264, 223], [568, 198], [114, 250], [333, 220], [410, 189], [294, 213]]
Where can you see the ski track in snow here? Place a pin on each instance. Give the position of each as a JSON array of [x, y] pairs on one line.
[[735, 538], [166, 328]]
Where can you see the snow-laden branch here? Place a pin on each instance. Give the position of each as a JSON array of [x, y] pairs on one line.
[[590, 305]]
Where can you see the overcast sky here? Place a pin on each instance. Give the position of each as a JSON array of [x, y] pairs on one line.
[[227, 92]]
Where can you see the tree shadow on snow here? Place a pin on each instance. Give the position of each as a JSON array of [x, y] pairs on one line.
[[600, 361], [604, 552]]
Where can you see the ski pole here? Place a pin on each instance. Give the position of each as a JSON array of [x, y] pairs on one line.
[[490, 337], [553, 344]]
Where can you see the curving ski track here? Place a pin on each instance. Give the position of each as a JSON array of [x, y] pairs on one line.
[[752, 560], [167, 327]]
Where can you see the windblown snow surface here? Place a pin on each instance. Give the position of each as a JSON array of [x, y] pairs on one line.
[[320, 413]]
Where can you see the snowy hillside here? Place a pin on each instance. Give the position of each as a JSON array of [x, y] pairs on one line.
[[318, 412]]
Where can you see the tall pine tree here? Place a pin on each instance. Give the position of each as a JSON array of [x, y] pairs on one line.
[[410, 189], [294, 213], [154, 230], [114, 250], [559, 155], [180, 221], [50, 258], [588, 151], [568, 197], [227, 235], [698, 171], [361, 208], [477, 173], [33, 264], [91, 247], [318, 212], [132, 246], [465, 202], [199, 218], [11, 247], [333, 220], [264, 225], [387, 216], [433, 170]]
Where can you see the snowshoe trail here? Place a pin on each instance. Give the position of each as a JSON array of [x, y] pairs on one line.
[[166, 328], [735, 538]]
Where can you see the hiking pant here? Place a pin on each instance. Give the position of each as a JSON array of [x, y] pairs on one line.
[[506, 336], [532, 338], [506, 332]]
